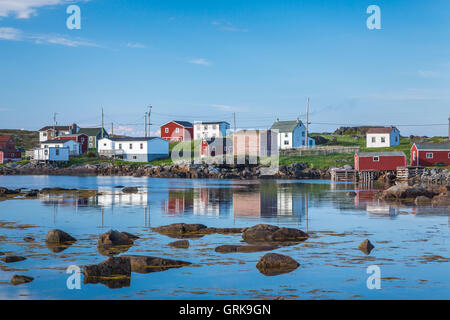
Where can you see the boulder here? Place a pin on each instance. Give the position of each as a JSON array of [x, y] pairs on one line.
[[272, 264], [239, 248], [112, 267], [19, 279], [8, 259], [180, 244], [270, 233], [56, 236], [130, 190], [147, 264], [116, 238], [28, 239], [366, 246]]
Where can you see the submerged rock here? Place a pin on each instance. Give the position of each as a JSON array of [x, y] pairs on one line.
[[114, 242], [147, 264], [114, 272], [180, 244], [269, 233], [28, 239], [238, 248], [8, 259], [19, 279], [272, 264], [56, 236], [366, 246], [130, 190]]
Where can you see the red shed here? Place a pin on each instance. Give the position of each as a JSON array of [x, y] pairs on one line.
[[382, 161], [214, 146], [10, 155], [430, 154], [7, 142], [79, 137], [177, 131]]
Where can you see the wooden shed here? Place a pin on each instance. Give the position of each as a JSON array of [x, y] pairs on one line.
[[379, 161]]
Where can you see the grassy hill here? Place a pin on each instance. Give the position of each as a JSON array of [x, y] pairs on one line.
[[24, 139]]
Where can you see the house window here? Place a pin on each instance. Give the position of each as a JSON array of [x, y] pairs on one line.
[[286, 142], [429, 155], [91, 138], [214, 127], [166, 130], [414, 156], [373, 140], [120, 146], [142, 146], [57, 152], [104, 144], [205, 127], [45, 134], [376, 159], [131, 146], [383, 139], [213, 149], [134, 157], [449, 155], [177, 130], [396, 139], [303, 133], [46, 146]]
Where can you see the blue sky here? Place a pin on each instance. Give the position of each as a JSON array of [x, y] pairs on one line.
[[204, 60]]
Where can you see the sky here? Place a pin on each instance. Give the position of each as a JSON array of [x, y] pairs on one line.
[[204, 60]]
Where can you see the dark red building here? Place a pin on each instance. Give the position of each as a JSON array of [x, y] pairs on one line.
[[8, 150], [430, 154], [79, 137], [380, 161], [177, 131]]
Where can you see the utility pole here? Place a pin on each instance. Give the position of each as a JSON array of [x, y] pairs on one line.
[[145, 119], [307, 122], [102, 122], [54, 120], [112, 129], [149, 114], [234, 116]]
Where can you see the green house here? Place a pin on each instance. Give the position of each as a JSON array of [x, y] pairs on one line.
[[94, 135]]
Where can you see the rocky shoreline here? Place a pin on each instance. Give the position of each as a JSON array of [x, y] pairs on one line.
[[431, 176]]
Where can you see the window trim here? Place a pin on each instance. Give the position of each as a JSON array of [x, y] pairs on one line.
[[429, 153], [376, 159]]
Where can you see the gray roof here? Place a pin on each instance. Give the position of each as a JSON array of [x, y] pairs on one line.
[[286, 126], [381, 154], [433, 146], [210, 122], [56, 141], [133, 138], [90, 131], [185, 124]]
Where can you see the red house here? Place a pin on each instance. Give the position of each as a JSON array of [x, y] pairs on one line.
[[79, 137], [430, 154], [213, 147], [381, 161], [177, 131], [8, 150]]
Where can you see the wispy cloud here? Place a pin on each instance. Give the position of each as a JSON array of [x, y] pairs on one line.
[[200, 61], [13, 34], [227, 26], [4, 109], [135, 45], [24, 9], [428, 74]]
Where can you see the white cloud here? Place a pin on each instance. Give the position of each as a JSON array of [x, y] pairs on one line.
[[227, 26], [23, 9], [4, 109], [428, 74], [135, 45], [13, 34], [200, 61], [10, 34]]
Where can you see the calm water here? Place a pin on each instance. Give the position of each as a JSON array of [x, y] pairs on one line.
[[411, 244]]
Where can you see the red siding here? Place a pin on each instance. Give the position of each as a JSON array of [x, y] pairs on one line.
[[206, 148], [183, 134], [385, 163], [6, 156], [81, 138], [441, 156]]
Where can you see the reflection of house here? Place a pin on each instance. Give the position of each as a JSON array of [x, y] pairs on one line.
[[379, 209], [246, 204], [122, 199], [206, 202], [177, 202]]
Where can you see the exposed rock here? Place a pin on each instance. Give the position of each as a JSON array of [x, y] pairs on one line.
[[422, 200], [180, 244], [147, 264], [32, 194], [366, 246], [180, 228], [114, 272], [269, 233], [405, 192], [56, 236], [115, 242], [272, 264], [239, 248], [130, 190], [8, 259], [19, 279], [28, 239]]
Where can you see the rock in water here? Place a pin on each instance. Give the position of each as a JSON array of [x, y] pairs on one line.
[[28, 239], [58, 236], [180, 244], [366, 246], [180, 228], [114, 266], [146, 264], [238, 248], [269, 233], [272, 264], [8, 259], [18, 279], [2, 253], [130, 190], [116, 238], [422, 200]]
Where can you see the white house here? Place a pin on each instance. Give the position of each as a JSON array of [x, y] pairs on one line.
[[382, 137], [53, 154], [134, 149], [291, 134], [51, 132], [74, 146], [208, 130]]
